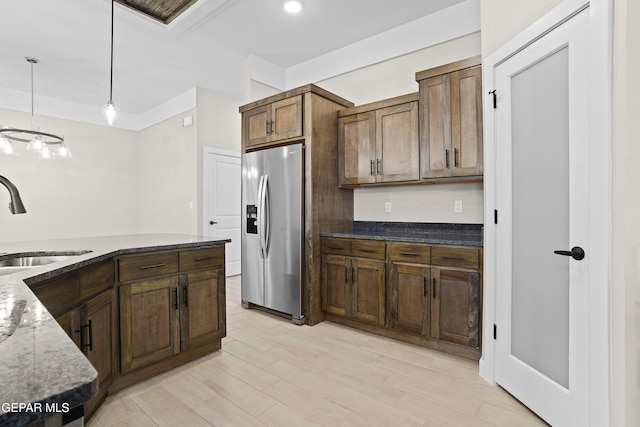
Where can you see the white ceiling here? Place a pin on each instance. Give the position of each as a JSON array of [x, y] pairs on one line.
[[205, 47]]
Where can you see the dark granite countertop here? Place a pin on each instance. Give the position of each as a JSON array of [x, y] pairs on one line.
[[39, 364], [415, 232]]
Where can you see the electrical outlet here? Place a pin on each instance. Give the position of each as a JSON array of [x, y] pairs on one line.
[[457, 206], [387, 207]]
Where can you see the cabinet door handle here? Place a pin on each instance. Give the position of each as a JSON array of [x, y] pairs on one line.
[[267, 130], [146, 267], [409, 253], [273, 126], [353, 275], [379, 166], [456, 162], [177, 304], [185, 296], [371, 167], [80, 331], [424, 287], [90, 326], [346, 275], [433, 290], [446, 157]]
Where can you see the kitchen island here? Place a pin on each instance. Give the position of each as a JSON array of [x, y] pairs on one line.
[[52, 315]]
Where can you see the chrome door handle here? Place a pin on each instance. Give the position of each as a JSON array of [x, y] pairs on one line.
[[576, 253], [213, 222]]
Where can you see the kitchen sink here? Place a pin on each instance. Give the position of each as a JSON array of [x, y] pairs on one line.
[[34, 259]]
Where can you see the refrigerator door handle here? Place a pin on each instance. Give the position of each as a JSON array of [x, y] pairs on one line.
[[266, 223], [260, 219]]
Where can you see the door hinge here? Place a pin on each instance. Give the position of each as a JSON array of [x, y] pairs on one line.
[[495, 331], [495, 98], [495, 216]]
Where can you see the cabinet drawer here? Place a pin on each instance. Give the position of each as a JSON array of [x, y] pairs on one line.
[[143, 266], [336, 246], [410, 252], [368, 249], [201, 258], [456, 257]]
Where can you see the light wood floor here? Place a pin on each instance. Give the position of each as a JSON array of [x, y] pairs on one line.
[[271, 372]]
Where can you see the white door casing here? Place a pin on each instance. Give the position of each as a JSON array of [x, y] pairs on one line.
[[587, 399], [221, 202]]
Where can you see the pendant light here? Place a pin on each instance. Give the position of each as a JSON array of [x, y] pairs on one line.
[[36, 140], [110, 111]]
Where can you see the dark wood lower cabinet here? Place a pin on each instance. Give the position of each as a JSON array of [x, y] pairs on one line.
[[149, 328], [456, 307], [166, 308], [354, 288], [410, 298], [432, 294]]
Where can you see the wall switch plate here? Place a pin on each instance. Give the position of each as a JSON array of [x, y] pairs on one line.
[[387, 207], [457, 206]]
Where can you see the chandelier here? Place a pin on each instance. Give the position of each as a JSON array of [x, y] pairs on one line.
[[48, 145]]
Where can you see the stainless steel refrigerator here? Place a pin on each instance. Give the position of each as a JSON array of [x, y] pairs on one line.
[[272, 229]]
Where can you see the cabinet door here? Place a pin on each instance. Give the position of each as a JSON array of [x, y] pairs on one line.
[[149, 329], [98, 345], [70, 322], [257, 123], [336, 280], [410, 289], [356, 141], [455, 310], [368, 289], [286, 118], [201, 320], [466, 121], [397, 144], [435, 127]]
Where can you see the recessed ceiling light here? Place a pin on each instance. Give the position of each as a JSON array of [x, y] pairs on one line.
[[292, 6]]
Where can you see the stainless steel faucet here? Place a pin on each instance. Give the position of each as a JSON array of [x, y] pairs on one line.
[[15, 205]]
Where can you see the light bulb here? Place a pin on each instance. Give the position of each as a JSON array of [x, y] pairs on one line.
[[292, 6], [62, 152], [8, 147], [35, 144], [110, 112], [45, 152]]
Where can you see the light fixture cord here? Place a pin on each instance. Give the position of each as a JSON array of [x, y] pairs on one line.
[[111, 79], [33, 124]]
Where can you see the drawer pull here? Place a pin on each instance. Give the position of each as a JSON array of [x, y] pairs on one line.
[[453, 258], [409, 254], [367, 251], [424, 287], [175, 291], [146, 267], [204, 258], [433, 290], [334, 247]]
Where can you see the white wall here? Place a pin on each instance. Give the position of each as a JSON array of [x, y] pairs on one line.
[[219, 126], [625, 305], [419, 203], [92, 194], [167, 177]]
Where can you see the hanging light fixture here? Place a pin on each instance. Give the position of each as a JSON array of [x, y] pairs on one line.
[[35, 139], [110, 111]]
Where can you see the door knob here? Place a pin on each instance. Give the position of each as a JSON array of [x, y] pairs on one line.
[[576, 253], [212, 222]]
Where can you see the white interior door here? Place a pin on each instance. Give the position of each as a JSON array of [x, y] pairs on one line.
[[222, 203], [542, 186]]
